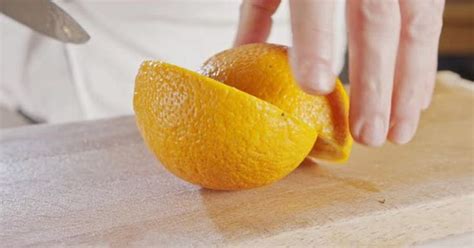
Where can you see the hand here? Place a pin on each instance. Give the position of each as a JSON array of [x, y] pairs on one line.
[[392, 57]]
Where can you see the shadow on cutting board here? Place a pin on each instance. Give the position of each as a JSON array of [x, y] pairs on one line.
[[281, 206]]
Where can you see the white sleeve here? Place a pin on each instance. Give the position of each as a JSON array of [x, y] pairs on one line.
[[14, 42], [35, 75]]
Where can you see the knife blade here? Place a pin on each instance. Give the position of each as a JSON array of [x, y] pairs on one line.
[[46, 18]]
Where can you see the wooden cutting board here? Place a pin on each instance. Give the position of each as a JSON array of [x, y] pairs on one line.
[[95, 183]]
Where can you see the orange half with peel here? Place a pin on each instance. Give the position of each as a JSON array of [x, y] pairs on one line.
[[263, 70], [241, 123]]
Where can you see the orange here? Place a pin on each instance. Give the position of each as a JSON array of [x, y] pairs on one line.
[[263, 70], [213, 135], [242, 123]]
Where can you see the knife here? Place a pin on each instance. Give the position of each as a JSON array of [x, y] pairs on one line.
[[46, 18]]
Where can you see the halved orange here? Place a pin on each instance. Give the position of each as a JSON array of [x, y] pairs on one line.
[[211, 134], [263, 70], [243, 123]]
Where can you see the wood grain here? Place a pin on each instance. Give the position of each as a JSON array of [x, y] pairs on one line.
[[95, 184]]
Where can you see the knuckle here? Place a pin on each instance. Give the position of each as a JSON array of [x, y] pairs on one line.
[[402, 114], [406, 117], [407, 110], [422, 30], [379, 16], [424, 23], [307, 61], [264, 5]]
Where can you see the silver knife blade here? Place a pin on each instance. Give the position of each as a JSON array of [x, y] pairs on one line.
[[46, 18]]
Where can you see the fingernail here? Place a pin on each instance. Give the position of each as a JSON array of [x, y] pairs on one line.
[[426, 102], [402, 132], [315, 78], [373, 133], [320, 82]]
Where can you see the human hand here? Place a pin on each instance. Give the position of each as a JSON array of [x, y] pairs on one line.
[[392, 57]]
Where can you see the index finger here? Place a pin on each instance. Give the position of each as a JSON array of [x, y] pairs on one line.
[[255, 20], [374, 29], [312, 57]]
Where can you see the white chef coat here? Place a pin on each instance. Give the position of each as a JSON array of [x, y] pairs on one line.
[[58, 82]]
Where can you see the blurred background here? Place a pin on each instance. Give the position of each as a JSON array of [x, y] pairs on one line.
[[42, 80], [456, 51]]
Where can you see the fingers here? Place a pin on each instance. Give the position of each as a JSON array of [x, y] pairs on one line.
[[433, 57], [313, 44], [416, 65], [374, 28], [255, 21], [429, 86]]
